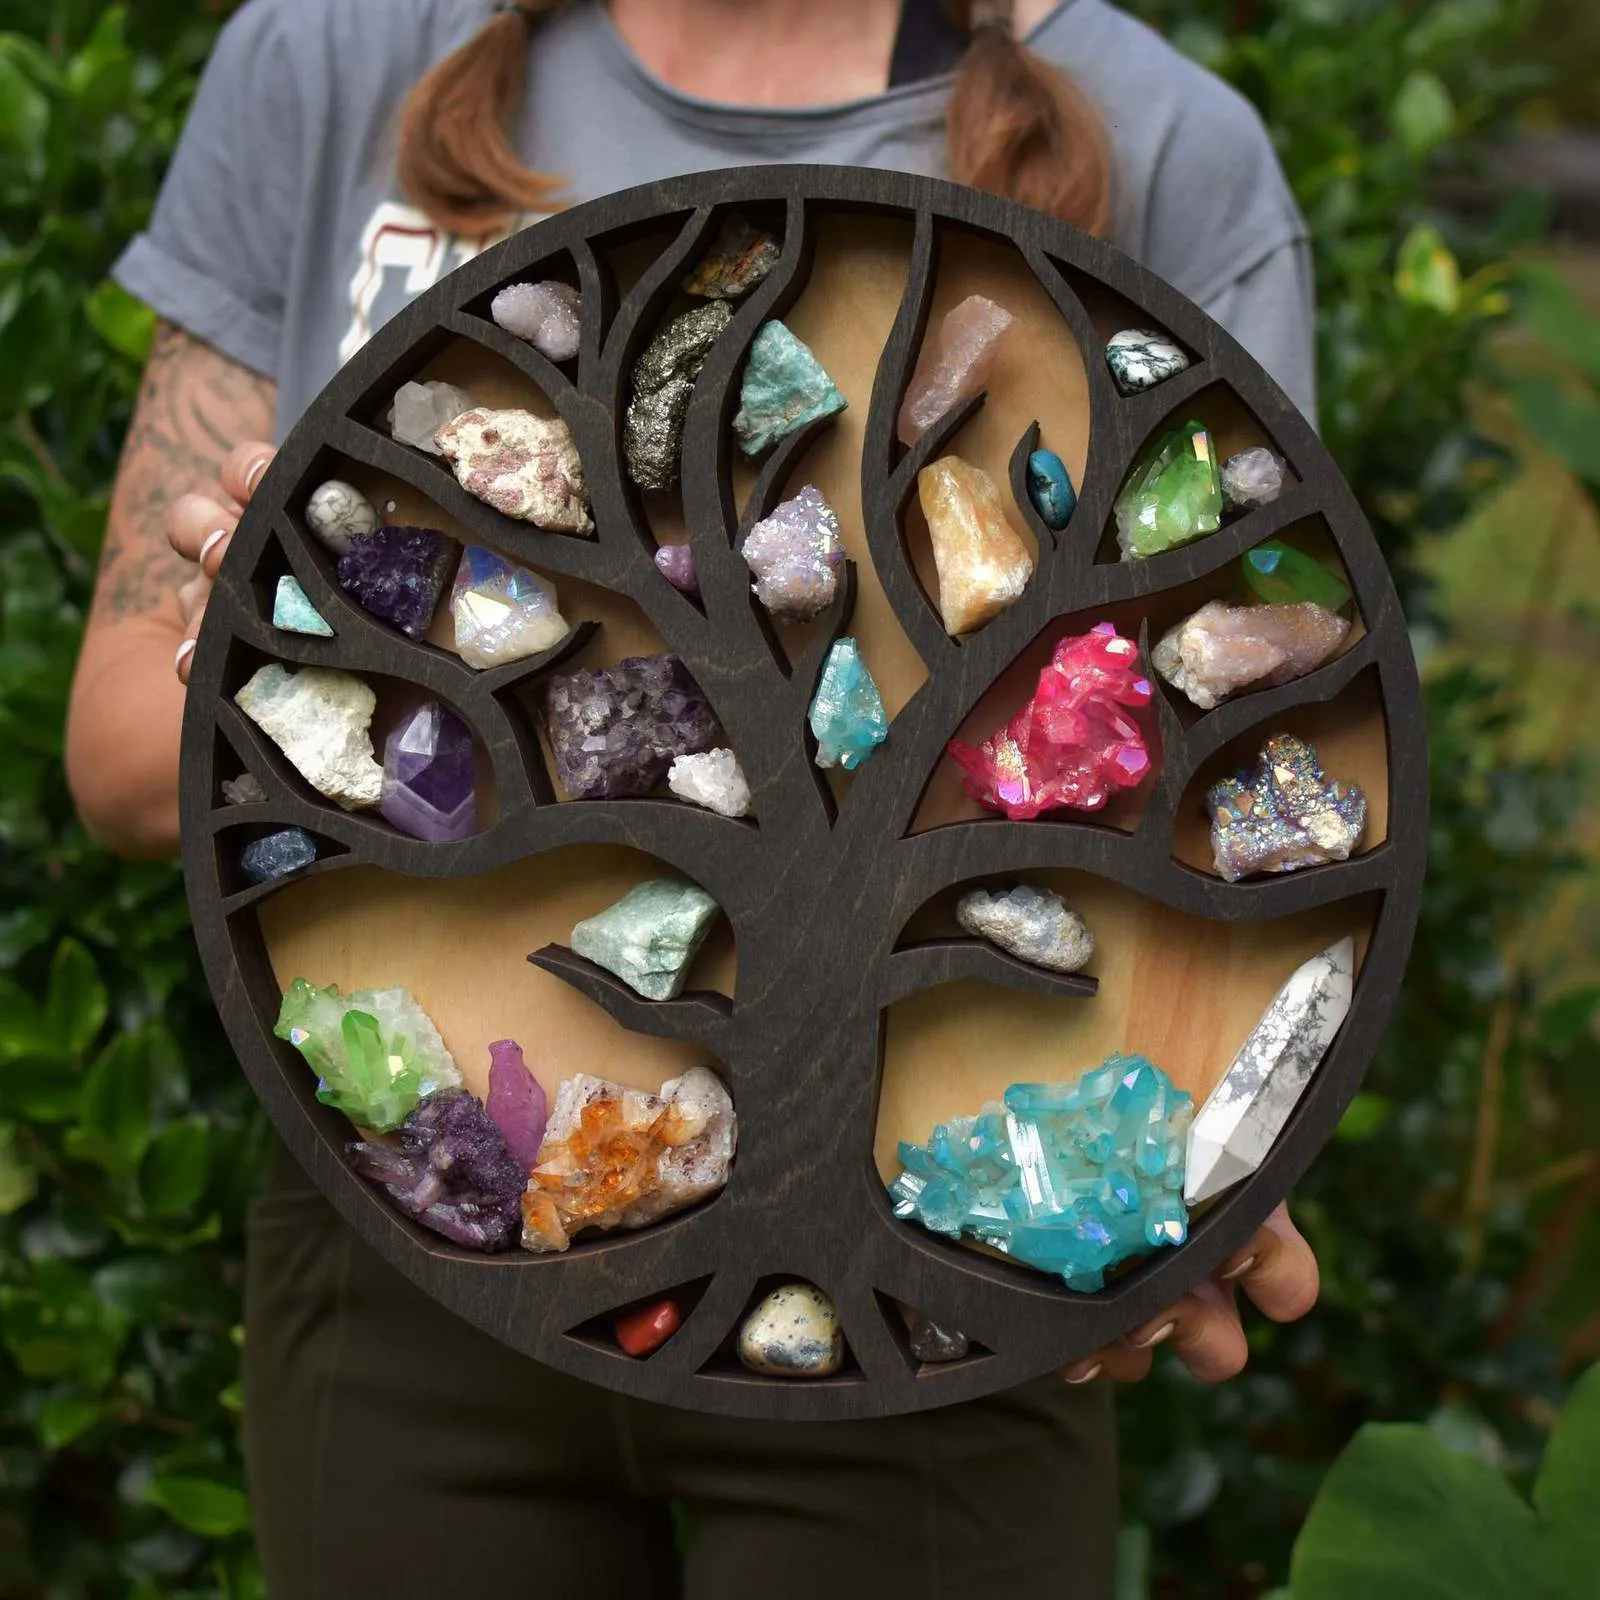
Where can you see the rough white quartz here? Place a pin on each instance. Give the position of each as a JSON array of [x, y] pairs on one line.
[[322, 721], [713, 780], [1033, 924]]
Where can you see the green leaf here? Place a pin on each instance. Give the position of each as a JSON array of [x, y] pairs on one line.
[[24, 110], [23, 1029], [173, 1173], [75, 1003], [1567, 1492], [1423, 114], [1426, 273], [65, 1417], [1363, 1117], [114, 1111], [1566, 426], [124, 323], [213, 1510], [19, 1179], [55, 1326], [1551, 312]]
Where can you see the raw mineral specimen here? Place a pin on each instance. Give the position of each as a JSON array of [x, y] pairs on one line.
[[502, 612], [615, 1157], [739, 258], [421, 409], [1050, 489], [796, 556], [545, 314], [1284, 814], [930, 1342], [1034, 924], [376, 1051], [651, 936], [676, 563], [1073, 744], [516, 1104], [1140, 359], [648, 1328], [1172, 496], [1252, 478], [245, 790], [524, 466], [711, 779], [337, 512], [429, 787], [1068, 1178], [399, 574], [784, 389], [293, 611], [277, 855], [663, 385], [847, 714], [451, 1171], [982, 563], [793, 1333], [955, 364], [1245, 1113], [322, 721], [615, 730], [1222, 649], [1281, 575]]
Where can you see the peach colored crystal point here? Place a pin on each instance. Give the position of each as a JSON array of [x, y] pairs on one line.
[[983, 564], [955, 364]]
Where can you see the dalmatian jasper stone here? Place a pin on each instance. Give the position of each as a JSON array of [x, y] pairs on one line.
[[793, 1333]]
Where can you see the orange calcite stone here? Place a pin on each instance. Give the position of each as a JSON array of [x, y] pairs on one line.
[[983, 564], [639, 1332]]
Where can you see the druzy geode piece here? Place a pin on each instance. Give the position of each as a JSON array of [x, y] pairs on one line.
[[1173, 495], [784, 388], [399, 574], [1222, 649], [1252, 478], [293, 612], [502, 612], [336, 512], [651, 936], [1050, 489], [1033, 924], [1073, 744], [982, 563], [1068, 1178], [429, 786], [847, 713], [375, 1052], [1243, 1116], [421, 409], [1284, 814], [322, 721], [954, 364], [663, 385], [450, 1171], [793, 1333], [516, 1104], [1140, 358], [277, 855], [796, 556], [545, 314], [615, 730], [1279, 574], [676, 563], [739, 258], [712, 779], [523, 465], [615, 1157]]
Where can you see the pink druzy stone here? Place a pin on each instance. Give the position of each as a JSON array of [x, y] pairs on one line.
[[516, 1102]]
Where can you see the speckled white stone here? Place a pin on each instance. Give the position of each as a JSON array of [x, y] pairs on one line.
[[793, 1333], [1140, 358], [338, 512], [521, 464]]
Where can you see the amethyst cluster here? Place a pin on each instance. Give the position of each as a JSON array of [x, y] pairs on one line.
[[399, 574]]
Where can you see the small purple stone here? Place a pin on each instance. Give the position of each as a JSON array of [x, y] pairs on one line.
[[399, 574], [516, 1102], [676, 564], [428, 776]]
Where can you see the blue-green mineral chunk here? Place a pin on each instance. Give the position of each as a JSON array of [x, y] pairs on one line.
[[1050, 488], [784, 389], [294, 613], [651, 936], [277, 855], [1068, 1178], [847, 715]]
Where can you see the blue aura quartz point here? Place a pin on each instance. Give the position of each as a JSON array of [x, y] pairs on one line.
[[1050, 489], [784, 388], [847, 715], [1068, 1178]]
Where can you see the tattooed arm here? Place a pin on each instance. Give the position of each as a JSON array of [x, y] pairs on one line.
[[195, 409]]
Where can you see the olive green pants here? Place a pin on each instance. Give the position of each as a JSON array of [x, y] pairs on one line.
[[395, 1451]]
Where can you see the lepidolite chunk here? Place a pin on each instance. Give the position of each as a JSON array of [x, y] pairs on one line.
[[523, 465]]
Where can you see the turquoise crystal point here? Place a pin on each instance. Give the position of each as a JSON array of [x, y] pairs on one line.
[[784, 388], [1070, 1178], [847, 715]]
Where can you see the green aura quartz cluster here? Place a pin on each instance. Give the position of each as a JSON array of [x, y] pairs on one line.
[[1067, 1178], [1172, 497]]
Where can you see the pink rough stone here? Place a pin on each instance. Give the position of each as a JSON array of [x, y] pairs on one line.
[[1073, 744], [1222, 649], [524, 466], [676, 563], [955, 363], [516, 1102]]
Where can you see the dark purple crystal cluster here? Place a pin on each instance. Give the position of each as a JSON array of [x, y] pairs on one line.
[[399, 574]]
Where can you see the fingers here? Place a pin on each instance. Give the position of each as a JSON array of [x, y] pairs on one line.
[[1119, 1362], [199, 528], [1276, 1269], [242, 471]]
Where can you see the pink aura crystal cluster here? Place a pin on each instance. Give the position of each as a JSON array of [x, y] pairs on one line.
[[1074, 743]]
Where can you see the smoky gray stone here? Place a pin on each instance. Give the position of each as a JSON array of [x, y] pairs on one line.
[[930, 1342]]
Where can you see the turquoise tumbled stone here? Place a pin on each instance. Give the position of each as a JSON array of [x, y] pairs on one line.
[[847, 715], [784, 388], [1069, 1178], [1050, 489], [294, 613]]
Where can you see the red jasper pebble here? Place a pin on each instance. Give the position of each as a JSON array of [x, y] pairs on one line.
[[648, 1328]]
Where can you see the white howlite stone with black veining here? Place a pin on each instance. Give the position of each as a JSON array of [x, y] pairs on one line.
[[1252, 478], [421, 409], [338, 513], [712, 779], [1033, 924], [793, 1333], [1243, 1116], [1140, 358], [322, 721]]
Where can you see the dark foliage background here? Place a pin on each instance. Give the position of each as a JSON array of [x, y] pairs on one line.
[[1455, 1215]]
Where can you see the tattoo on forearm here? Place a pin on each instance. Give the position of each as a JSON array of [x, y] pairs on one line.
[[194, 407]]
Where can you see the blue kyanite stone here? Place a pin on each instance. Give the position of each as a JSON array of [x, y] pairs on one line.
[[293, 611], [847, 715], [784, 389], [1068, 1178], [277, 855], [1050, 488]]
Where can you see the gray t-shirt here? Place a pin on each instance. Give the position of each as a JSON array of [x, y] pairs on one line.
[[281, 239]]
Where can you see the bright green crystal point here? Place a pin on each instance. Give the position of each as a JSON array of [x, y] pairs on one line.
[[847, 715], [293, 611], [784, 388], [1281, 575], [1172, 497], [651, 936]]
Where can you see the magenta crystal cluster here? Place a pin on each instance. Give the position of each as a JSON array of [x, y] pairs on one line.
[[429, 786]]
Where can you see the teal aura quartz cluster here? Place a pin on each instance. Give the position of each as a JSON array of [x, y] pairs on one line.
[[1070, 1179]]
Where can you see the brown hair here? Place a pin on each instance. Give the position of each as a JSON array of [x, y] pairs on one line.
[[1015, 126]]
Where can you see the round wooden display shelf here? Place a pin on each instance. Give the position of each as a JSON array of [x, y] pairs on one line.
[[853, 1014]]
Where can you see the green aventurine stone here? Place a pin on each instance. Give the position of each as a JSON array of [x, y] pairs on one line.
[[1280, 575], [293, 611], [651, 936], [1172, 497]]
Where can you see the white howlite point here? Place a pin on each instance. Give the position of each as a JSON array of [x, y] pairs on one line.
[[1243, 1116]]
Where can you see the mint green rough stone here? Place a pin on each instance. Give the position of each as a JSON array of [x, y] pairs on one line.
[[784, 388], [1172, 497], [847, 714], [1069, 1178], [651, 936], [293, 611]]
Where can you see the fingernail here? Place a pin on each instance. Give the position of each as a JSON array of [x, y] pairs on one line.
[[212, 540], [1090, 1375], [253, 476], [185, 650], [1237, 1271], [1165, 1331]]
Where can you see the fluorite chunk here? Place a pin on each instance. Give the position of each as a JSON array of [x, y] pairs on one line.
[[399, 574], [1073, 744], [1281, 575], [784, 389], [982, 563], [955, 364], [651, 936], [516, 1103], [1172, 497], [421, 409], [523, 465], [428, 780], [929, 1342], [676, 563], [712, 779], [322, 721], [1050, 489], [663, 385], [277, 855], [502, 612], [1070, 1178], [336, 512], [376, 1052], [546, 314], [293, 611], [795, 556], [739, 258], [847, 713], [793, 1333], [1252, 478], [615, 1157], [615, 730], [645, 1330], [1033, 924], [1284, 814], [1222, 649], [1140, 358]]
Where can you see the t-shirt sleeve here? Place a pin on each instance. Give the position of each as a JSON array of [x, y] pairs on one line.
[[215, 258]]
